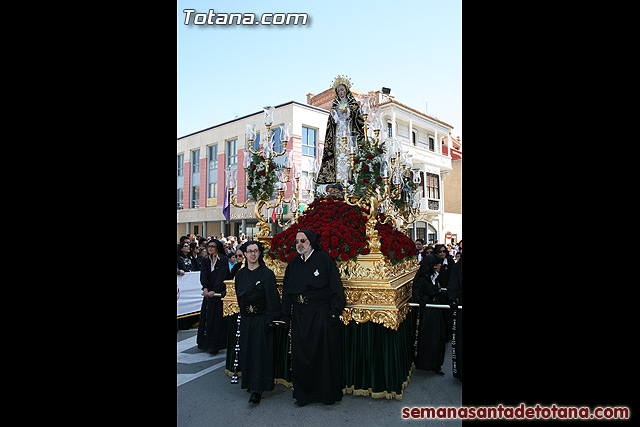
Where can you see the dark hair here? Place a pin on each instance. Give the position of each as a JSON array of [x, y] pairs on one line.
[[245, 245], [218, 243], [420, 240], [180, 245], [439, 246]]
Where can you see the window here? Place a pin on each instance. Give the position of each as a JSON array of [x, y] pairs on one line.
[[431, 144], [180, 197], [195, 196], [402, 130], [414, 137], [305, 179], [180, 164], [277, 142], [308, 141], [278, 145], [195, 161], [432, 238], [232, 153], [389, 130], [213, 156], [433, 186], [256, 143], [212, 190]]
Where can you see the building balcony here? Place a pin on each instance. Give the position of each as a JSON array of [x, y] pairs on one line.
[[432, 205], [429, 209]]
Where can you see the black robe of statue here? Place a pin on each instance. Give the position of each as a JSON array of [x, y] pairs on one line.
[[455, 295], [327, 172], [212, 330], [431, 336], [313, 299], [259, 304]]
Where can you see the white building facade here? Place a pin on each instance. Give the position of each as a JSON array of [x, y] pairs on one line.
[[428, 139]]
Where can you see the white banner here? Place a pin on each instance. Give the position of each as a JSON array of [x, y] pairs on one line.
[[189, 293]]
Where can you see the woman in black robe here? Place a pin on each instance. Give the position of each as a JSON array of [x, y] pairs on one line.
[[212, 330], [185, 260], [445, 272], [259, 304], [431, 336], [312, 301]]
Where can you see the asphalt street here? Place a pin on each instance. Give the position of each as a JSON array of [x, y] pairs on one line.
[[205, 397]]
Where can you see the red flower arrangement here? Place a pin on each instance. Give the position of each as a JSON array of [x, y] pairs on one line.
[[394, 244], [342, 233], [341, 228]]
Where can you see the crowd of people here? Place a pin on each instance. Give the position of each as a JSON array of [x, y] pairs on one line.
[[192, 250], [312, 301]]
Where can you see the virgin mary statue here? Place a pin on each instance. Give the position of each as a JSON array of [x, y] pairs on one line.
[[335, 159]]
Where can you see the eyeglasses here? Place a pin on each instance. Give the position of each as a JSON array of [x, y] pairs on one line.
[[239, 256], [301, 241], [442, 251], [253, 251], [209, 247]]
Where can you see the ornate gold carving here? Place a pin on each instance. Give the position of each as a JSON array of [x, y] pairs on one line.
[[371, 296], [229, 308], [388, 318], [375, 267], [278, 267]]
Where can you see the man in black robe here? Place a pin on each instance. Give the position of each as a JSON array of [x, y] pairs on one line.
[[431, 334], [455, 298], [259, 304], [312, 301], [212, 330]]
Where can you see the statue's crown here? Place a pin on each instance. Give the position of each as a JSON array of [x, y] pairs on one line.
[[344, 80]]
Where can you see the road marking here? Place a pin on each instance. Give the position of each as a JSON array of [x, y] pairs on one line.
[[198, 357], [188, 358], [185, 378]]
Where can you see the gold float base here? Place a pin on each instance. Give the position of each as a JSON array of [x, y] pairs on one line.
[[375, 289]]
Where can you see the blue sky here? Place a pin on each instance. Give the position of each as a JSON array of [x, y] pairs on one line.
[[412, 47]]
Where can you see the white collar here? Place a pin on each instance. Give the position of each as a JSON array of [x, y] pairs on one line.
[[305, 258], [213, 264]]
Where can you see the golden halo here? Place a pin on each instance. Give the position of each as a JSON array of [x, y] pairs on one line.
[[344, 80]]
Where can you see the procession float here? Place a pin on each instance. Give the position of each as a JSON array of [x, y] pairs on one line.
[[364, 199]]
